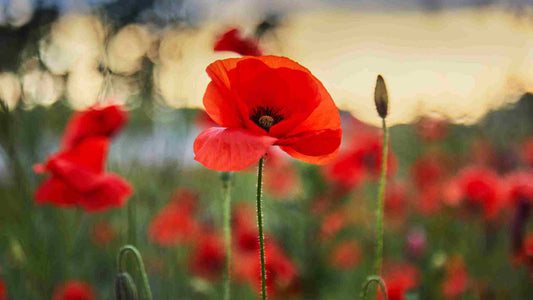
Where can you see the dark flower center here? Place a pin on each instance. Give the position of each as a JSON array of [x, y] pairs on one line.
[[265, 117]]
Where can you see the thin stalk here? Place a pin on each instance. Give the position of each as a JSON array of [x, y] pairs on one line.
[[226, 187], [260, 226], [140, 265], [379, 210], [381, 196], [132, 234]]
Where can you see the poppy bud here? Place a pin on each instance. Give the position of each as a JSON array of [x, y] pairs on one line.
[[381, 97], [125, 288]]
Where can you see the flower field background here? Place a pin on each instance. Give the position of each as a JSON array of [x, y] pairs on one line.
[[99, 150]]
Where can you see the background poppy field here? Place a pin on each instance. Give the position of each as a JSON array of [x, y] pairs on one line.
[[458, 202]]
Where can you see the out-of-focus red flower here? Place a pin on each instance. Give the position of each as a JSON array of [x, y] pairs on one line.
[[74, 290], [427, 170], [429, 200], [245, 232], [332, 224], [527, 152], [232, 40], [96, 121], [265, 101], [456, 280], [175, 223], [399, 279], [346, 255], [481, 187], [3, 290], [395, 201], [519, 187], [361, 160], [102, 233], [281, 273], [430, 129], [208, 256], [281, 179], [78, 178], [416, 242]]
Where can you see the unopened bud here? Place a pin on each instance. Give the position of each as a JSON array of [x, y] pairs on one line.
[[381, 97], [125, 288]]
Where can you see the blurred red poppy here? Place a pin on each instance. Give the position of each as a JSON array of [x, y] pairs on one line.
[[232, 40], [430, 129], [102, 233], [3, 290], [481, 187], [281, 179], [361, 160], [519, 187], [208, 256], [332, 223], [96, 121], [456, 280], [265, 101], [399, 278], [78, 178], [395, 201], [74, 290], [346, 255], [527, 152], [175, 223]]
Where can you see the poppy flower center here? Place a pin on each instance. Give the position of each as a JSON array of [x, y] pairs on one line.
[[265, 117]]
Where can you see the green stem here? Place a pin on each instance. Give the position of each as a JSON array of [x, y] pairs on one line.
[[260, 226], [131, 223], [122, 252], [381, 196], [226, 187], [377, 280]]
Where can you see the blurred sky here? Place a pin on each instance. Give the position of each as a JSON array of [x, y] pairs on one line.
[[452, 59]]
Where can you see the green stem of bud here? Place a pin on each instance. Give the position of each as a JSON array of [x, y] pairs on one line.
[[129, 248]]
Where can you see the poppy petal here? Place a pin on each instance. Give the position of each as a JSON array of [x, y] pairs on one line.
[[89, 154], [112, 192], [319, 148], [230, 149], [54, 190], [314, 143], [291, 94]]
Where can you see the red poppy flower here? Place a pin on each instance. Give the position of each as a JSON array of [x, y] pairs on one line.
[[232, 40], [208, 257], [3, 291], [265, 101], [481, 187], [456, 280], [281, 179], [102, 233], [527, 152], [78, 178], [519, 187], [332, 224], [346, 255], [395, 201], [74, 290], [361, 160], [427, 170], [96, 121], [399, 279], [175, 223], [432, 129], [281, 273]]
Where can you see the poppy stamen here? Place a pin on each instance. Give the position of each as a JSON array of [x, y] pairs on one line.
[[265, 117]]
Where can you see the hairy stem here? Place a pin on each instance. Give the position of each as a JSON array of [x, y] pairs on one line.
[[260, 226]]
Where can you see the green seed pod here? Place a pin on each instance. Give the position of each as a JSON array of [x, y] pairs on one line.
[[381, 97], [125, 288]]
